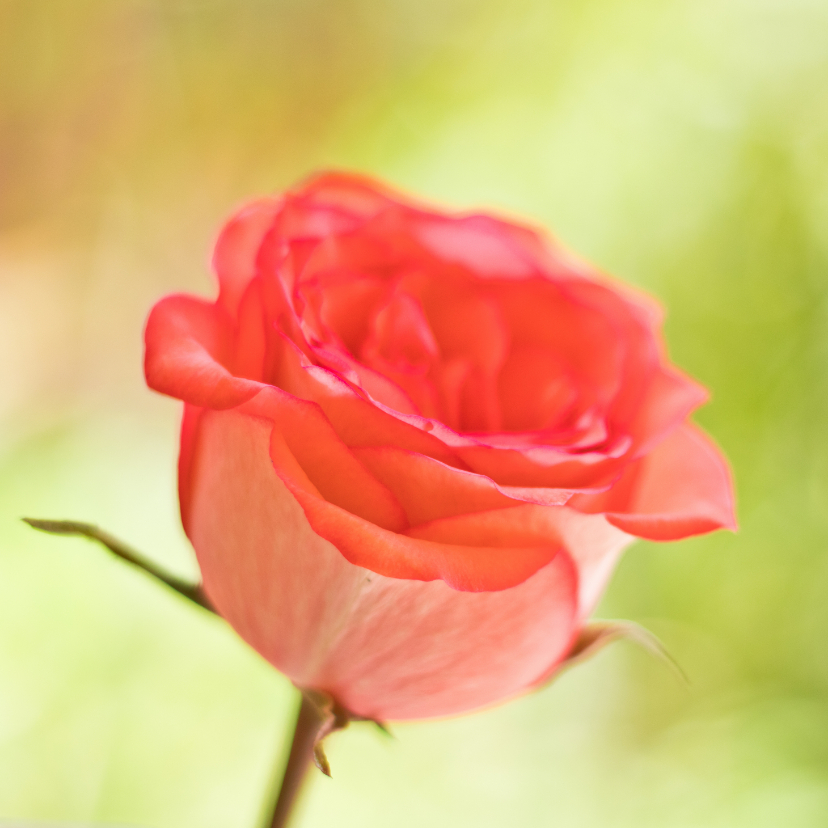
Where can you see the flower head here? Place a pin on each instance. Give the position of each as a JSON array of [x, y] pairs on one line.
[[415, 444]]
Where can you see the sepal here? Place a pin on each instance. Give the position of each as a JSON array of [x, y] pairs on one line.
[[331, 717], [595, 635]]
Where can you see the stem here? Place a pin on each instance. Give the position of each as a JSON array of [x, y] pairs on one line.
[[308, 722], [316, 717], [193, 592]]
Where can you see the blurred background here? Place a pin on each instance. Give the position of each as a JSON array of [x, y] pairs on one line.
[[681, 145]]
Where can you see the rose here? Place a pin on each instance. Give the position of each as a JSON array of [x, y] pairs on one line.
[[414, 444]]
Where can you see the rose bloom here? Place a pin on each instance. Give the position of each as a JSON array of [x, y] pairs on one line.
[[415, 444]]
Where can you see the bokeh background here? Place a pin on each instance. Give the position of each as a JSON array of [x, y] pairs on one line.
[[681, 145]]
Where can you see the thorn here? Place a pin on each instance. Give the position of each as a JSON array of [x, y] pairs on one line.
[[320, 760]]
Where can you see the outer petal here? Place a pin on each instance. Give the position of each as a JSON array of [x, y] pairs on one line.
[[590, 541], [467, 567], [234, 259], [361, 517], [184, 338], [653, 397], [188, 343], [385, 648], [416, 650], [189, 430], [681, 488], [313, 459], [359, 196], [670, 398], [475, 241]]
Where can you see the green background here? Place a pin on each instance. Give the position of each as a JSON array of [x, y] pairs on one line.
[[681, 145]]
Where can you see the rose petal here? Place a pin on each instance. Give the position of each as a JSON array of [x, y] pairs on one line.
[[323, 460], [189, 430], [250, 349], [385, 648], [472, 241], [472, 333], [347, 305], [543, 466], [653, 397], [234, 259], [188, 343], [593, 544], [464, 567], [362, 423], [357, 420], [282, 587], [536, 388], [682, 488], [356, 526], [182, 332], [670, 398], [359, 196], [415, 650], [578, 327], [428, 489]]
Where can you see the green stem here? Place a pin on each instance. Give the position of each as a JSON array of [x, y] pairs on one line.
[[311, 716], [192, 592], [305, 732]]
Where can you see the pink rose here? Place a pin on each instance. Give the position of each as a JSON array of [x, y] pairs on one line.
[[415, 444]]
